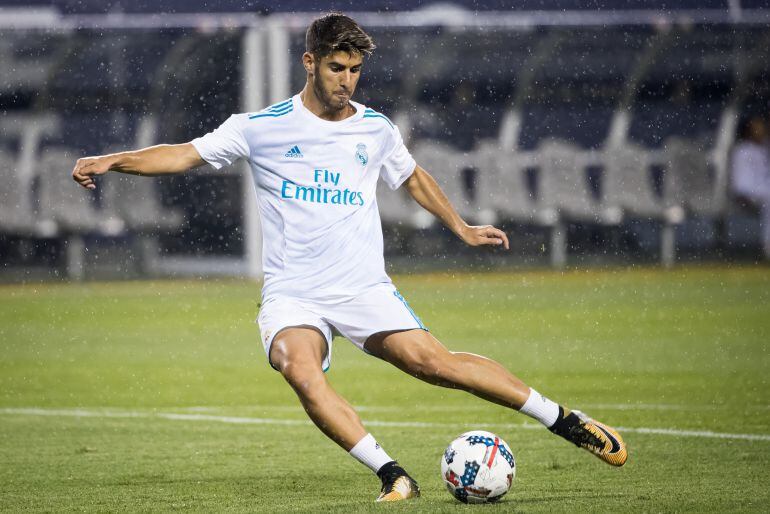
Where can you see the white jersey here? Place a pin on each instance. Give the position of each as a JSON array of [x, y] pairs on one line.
[[315, 182], [751, 170]]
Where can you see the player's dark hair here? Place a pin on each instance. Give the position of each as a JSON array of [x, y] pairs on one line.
[[336, 32]]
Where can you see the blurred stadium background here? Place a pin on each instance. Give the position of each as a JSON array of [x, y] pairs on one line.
[[595, 131]]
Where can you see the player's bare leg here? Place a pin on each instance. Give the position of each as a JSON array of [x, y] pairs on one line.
[[420, 354], [298, 354]]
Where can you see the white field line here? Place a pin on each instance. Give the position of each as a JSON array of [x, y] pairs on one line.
[[477, 407], [83, 413]]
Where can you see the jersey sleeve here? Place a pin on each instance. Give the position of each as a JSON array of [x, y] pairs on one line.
[[398, 164], [224, 145]]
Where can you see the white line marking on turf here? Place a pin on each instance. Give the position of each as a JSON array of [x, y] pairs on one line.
[[651, 406], [83, 413], [481, 407], [695, 433]]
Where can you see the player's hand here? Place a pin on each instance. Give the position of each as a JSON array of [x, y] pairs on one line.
[[484, 235], [88, 167]]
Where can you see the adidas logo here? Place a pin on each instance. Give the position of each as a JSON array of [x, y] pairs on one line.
[[294, 152]]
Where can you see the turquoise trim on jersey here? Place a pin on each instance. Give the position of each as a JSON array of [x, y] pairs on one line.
[[370, 111], [279, 105], [281, 109], [270, 114], [274, 111], [373, 114], [419, 322]]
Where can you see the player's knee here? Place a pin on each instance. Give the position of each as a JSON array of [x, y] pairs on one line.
[[293, 370], [307, 381], [288, 364], [301, 373]]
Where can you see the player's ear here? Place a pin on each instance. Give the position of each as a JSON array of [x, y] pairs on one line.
[[307, 61]]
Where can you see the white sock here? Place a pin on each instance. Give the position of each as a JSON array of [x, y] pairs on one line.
[[370, 454], [540, 408]]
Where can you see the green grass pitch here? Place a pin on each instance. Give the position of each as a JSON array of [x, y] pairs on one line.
[[156, 396]]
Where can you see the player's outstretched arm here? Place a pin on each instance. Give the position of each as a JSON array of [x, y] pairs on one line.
[[150, 161], [424, 189]]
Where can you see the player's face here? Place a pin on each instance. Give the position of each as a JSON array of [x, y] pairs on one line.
[[335, 78]]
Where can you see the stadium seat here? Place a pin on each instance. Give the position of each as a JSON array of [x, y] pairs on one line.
[[66, 203], [135, 200], [696, 186], [70, 207], [459, 176], [693, 182], [564, 186], [16, 214], [398, 209], [628, 185], [506, 188]]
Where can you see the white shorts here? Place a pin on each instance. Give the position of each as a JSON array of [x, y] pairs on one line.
[[380, 308]]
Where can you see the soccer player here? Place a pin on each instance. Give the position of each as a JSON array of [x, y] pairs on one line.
[[315, 160]]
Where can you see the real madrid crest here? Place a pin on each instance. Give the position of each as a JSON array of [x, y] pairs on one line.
[[361, 154]]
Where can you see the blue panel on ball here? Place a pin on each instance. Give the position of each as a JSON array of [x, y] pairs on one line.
[[461, 494], [480, 439], [507, 455], [471, 470]]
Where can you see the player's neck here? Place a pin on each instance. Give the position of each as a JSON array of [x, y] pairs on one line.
[[313, 104]]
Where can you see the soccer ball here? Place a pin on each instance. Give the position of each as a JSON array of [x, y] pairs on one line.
[[478, 467]]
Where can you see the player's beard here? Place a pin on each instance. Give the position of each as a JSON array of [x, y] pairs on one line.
[[330, 102]]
